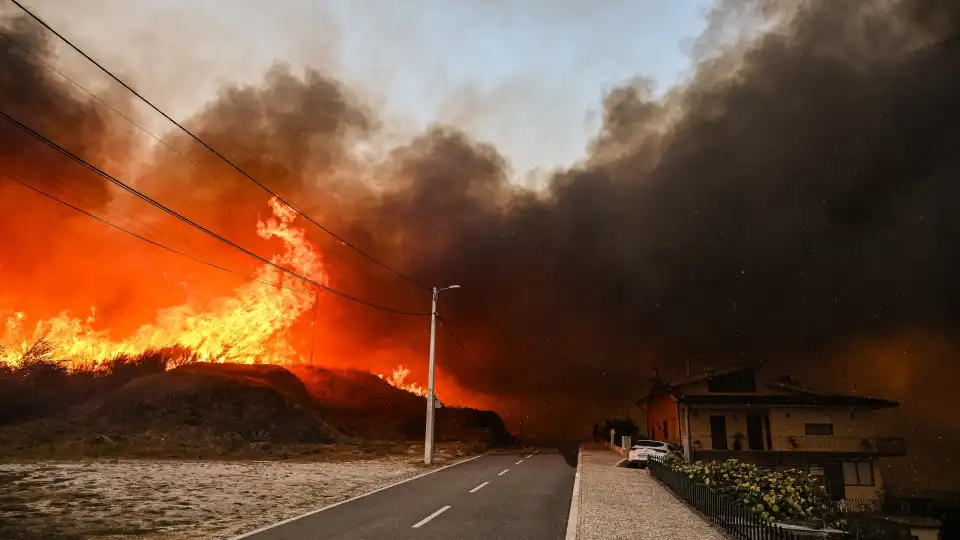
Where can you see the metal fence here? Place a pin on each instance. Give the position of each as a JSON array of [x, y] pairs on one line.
[[742, 523]]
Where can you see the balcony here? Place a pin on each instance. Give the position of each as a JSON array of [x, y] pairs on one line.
[[824, 444], [875, 446]]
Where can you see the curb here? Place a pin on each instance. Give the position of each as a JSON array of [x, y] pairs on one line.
[[362, 495], [573, 519]]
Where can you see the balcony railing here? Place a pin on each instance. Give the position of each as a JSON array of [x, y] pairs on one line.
[[876, 446]]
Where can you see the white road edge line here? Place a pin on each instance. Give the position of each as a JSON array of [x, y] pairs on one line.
[[476, 489], [424, 521], [573, 519], [519, 462], [362, 495], [503, 472]]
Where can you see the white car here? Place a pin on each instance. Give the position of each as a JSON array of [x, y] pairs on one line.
[[641, 450]]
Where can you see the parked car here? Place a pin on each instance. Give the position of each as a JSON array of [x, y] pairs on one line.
[[641, 450]]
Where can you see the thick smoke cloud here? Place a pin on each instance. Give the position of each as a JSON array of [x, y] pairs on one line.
[[798, 191], [41, 252], [796, 197]]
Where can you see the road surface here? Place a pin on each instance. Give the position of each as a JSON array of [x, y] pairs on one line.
[[497, 496]]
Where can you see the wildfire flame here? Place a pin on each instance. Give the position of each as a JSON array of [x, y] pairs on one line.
[[250, 326], [397, 380]]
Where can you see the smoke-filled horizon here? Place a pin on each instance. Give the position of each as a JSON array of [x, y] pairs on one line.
[[794, 203]]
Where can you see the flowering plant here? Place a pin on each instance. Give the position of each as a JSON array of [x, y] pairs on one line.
[[786, 496]]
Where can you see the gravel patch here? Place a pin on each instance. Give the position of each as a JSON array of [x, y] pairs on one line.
[[625, 504], [168, 500]]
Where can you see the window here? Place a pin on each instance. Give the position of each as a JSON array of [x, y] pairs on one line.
[[858, 473], [818, 429]]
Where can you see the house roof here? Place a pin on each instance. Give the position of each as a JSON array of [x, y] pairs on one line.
[[688, 380], [799, 396], [822, 400], [708, 374]]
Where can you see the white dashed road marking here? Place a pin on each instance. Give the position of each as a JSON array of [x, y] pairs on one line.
[[503, 472], [529, 456], [476, 489], [519, 462], [424, 521]]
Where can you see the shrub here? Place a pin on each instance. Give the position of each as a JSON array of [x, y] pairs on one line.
[[787, 496], [39, 384]]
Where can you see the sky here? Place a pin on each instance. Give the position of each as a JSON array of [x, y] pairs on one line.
[[526, 75]]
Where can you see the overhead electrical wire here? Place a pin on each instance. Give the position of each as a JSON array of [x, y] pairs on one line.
[[140, 236], [463, 347], [119, 113], [235, 167], [214, 151], [143, 228], [146, 198]]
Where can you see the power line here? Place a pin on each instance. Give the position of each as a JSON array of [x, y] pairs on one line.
[[215, 152], [449, 330], [143, 227], [139, 236], [26, 129], [127, 118]]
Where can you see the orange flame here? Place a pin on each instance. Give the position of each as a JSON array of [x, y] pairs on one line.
[[397, 380], [248, 327]]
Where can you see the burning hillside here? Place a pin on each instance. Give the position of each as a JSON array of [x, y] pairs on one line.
[[251, 326], [792, 200], [218, 410]]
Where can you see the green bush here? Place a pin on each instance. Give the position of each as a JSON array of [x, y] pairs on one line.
[[788, 496]]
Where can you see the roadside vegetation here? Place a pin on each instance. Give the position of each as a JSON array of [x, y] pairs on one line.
[[40, 384], [790, 496]]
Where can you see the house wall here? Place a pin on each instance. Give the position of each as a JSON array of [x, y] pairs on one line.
[[736, 420], [785, 421], [864, 492], [659, 409], [782, 425]]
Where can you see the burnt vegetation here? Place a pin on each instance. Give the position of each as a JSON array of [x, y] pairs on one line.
[[163, 403]]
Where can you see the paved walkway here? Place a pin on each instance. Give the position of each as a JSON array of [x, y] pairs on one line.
[[618, 503]]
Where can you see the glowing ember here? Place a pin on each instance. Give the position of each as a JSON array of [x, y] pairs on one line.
[[251, 326]]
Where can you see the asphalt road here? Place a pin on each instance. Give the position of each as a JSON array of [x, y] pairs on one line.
[[497, 496]]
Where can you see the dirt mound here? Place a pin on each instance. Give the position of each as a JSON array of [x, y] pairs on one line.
[[199, 409], [205, 410], [361, 404], [241, 402]]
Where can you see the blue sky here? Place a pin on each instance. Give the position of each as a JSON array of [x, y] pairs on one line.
[[526, 75]]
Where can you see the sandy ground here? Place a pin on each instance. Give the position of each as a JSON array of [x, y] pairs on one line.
[[176, 499]]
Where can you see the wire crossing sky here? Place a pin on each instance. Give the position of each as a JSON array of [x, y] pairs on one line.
[[485, 66]]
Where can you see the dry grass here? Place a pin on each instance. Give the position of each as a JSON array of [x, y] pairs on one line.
[[176, 499]]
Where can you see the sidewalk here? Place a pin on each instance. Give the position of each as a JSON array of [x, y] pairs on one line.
[[619, 503]]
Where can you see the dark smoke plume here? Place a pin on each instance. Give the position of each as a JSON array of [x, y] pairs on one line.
[[47, 250], [800, 192], [798, 195], [800, 189]]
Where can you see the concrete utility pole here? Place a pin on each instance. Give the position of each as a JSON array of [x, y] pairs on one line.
[[431, 398]]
